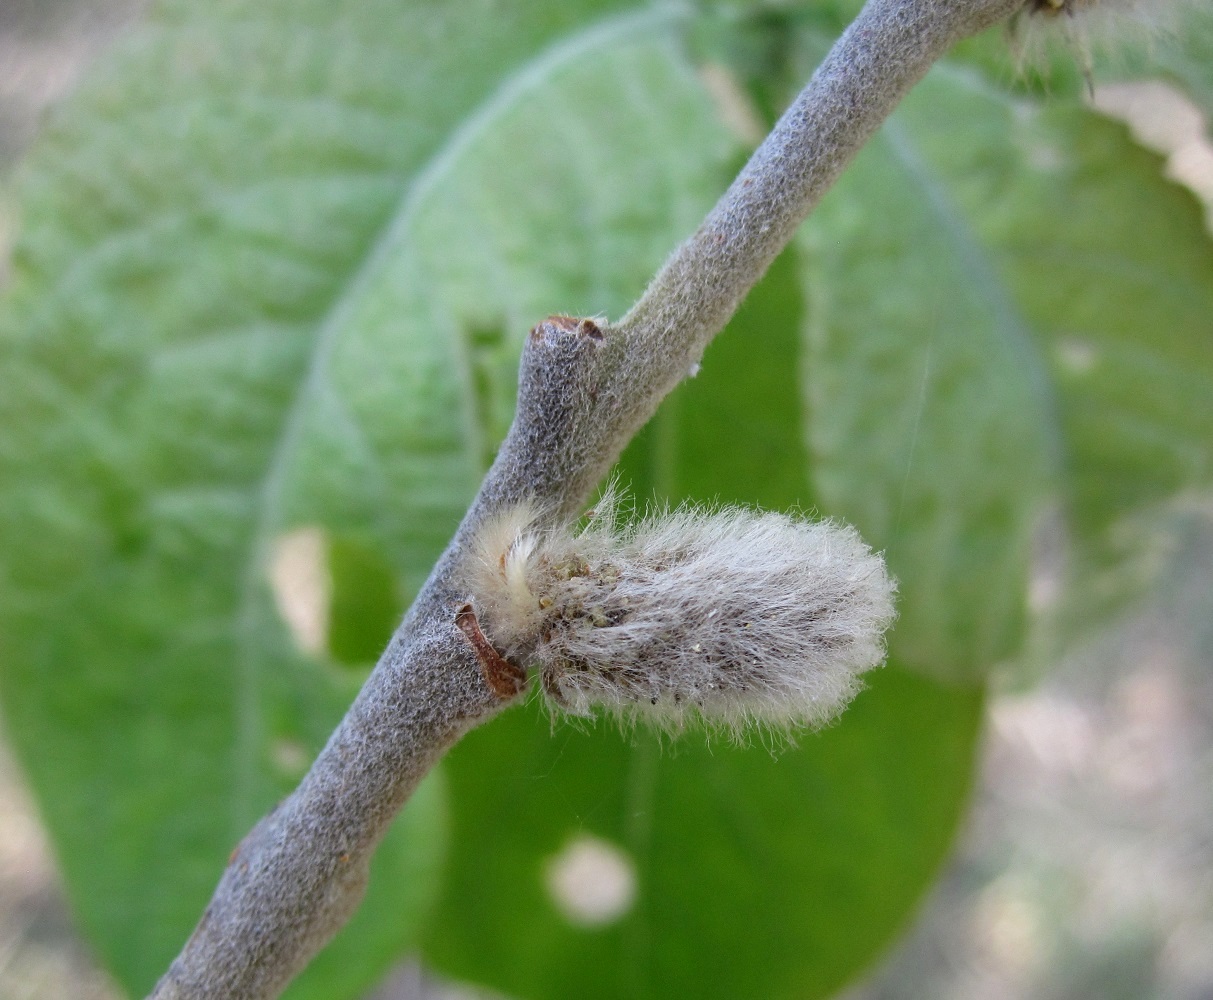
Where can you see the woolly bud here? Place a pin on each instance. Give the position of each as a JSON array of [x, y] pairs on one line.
[[731, 615]]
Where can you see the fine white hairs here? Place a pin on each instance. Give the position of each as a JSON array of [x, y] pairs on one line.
[[730, 615]]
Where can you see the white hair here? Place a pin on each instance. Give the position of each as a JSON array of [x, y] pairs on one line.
[[729, 615]]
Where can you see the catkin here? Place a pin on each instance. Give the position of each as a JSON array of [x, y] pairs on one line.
[[730, 615]]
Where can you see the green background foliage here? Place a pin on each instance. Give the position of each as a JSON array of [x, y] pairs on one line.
[[275, 267]]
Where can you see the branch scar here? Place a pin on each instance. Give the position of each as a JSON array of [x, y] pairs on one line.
[[505, 679]]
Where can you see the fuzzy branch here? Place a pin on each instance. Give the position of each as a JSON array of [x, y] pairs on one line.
[[583, 392]]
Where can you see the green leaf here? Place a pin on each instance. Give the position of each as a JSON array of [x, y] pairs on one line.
[[1186, 56], [757, 875], [1060, 59], [365, 605], [1029, 306], [1174, 44], [564, 196], [249, 306], [732, 432], [765, 875]]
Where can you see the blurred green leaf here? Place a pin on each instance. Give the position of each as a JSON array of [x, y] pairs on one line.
[[563, 195], [1043, 55], [757, 875], [732, 432], [1186, 56], [365, 605], [248, 308], [1173, 44], [1028, 306]]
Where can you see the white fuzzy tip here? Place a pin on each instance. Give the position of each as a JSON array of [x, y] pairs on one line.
[[733, 616]]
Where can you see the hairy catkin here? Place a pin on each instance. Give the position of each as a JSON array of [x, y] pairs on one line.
[[731, 615]]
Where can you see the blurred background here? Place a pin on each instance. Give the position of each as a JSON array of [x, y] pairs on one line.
[[1086, 866]]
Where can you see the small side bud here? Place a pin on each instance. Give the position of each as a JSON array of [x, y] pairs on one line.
[[732, 615]]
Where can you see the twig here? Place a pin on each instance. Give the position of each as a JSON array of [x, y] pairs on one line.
[[584, 390]]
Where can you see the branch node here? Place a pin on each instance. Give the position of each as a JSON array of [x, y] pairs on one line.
[[554, 328]]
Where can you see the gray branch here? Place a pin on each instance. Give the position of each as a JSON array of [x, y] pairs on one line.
[[583, 392]]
